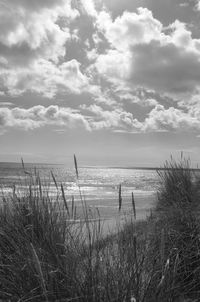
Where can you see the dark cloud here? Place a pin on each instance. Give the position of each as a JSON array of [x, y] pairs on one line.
[[165, 68], [144, 54]]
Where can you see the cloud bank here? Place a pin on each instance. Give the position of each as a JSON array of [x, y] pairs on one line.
[[38, 116]]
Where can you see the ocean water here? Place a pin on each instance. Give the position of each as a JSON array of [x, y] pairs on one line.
[[99, 186]]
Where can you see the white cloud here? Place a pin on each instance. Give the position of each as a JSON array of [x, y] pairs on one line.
[[144, 53], [143, 102], [33, 40], [193, 106], [39, 116], [117, 120], [89, 7], [198, 5], [172, 119], [31, 30], [114, 65], [113, 119], [130, 28], [139, 97], [159, 119], [45, 78]]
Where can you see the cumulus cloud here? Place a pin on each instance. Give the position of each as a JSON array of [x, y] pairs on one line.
[[165, 69], [39, 116], [46, 79], [192, 106], [124, 54], [114, 65], [95, 118], [130, 28], [144, 53], [172, 119], [141, 97], [33, 47], [112, 119], [89, 7], [159, 119], [31, 29], [198, 5]]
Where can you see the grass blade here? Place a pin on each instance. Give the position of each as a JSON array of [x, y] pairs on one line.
[[162, 248], [39, 270], [76, 166], [120, 197], [133, 204], [72, 206], [54, 179], [64, 199], [23, 166], [40, 186]]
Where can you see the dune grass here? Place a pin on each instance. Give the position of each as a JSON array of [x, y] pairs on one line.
[[46, 256]]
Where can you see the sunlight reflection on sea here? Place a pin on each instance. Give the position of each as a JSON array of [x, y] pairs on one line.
[[99, 186]]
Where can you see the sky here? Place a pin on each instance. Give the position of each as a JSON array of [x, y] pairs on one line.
[[115, 82]]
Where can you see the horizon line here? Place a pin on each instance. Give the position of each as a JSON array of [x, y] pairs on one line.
[[98, 166]]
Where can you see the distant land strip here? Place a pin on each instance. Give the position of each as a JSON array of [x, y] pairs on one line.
[[139, 168]]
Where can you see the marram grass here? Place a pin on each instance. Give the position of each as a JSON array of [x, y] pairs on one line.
[[45, 256]]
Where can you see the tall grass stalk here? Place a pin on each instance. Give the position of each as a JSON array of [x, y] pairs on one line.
[[39, 270], [133, 205], [120, 197]]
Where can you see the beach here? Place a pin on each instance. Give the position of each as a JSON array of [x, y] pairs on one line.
[[98, 186]]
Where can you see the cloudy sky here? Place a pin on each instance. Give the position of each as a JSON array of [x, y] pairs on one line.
[[116, 82]]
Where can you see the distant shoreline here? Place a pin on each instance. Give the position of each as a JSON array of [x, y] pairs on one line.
[[99, 167], [137, 168]]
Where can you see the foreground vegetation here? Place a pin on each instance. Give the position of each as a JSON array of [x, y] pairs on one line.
[[45, 256]]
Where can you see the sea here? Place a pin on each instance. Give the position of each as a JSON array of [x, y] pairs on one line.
[[99, 186]]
